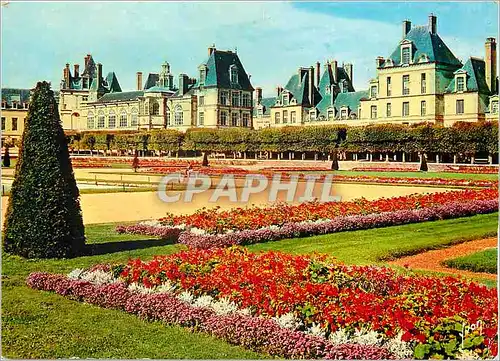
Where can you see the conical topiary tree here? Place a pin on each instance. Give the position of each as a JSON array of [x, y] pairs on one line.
[[204, 162], [135, 161], [335, 161], [43, 217], [6, 157], [423, 163]]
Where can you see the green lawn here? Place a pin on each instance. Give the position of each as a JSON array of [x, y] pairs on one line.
[[484, 261], [43, 325]]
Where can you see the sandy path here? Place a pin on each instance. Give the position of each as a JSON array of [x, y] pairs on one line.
[[431, 260], [117, 207]]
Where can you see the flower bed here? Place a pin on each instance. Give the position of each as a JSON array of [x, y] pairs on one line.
[[472, 169], [295, 306], [384, 169]]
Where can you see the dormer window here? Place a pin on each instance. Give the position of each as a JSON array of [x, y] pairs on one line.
[[388, 63], [312, 115], [344, 112], [460, 83], [494, 107], [345, 87], [286, 99], [424, 58], [203, 75], [373, 91], [233, 72], [406, 54], [331, 114]]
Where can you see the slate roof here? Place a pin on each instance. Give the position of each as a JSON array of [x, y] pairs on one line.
[[11, 95], [218, 71], [476, 80], [299, 88], [426, 43], [350, 100], [159, 89], [151, 81], [327, 80], [112, 83], [120, 96], [267, 103]]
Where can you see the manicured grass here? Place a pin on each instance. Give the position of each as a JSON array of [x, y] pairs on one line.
[[42, 325], [375, 245], [484, 261]]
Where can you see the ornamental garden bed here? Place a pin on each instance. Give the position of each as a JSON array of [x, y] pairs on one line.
[[484, 261], [208, 228], [295, 306]]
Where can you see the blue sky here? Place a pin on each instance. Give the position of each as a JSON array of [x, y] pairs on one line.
[[272, 38]]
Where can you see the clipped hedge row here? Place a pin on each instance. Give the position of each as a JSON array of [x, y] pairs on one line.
[[462, 138]]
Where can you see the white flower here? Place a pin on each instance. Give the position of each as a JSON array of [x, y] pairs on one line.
[[76, 274], [138, 288], [288, 320], [198, 231], [166, 287], [366, 337], [224, 306], [316, 330], [339, 337], [98, 277], [402, 350], [203, 301], [245, 312], [186, 296], [467, 355]]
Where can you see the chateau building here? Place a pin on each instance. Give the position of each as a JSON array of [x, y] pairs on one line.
[[220, 96], [422, 81], [15, 104]]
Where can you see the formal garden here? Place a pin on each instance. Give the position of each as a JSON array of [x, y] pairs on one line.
[[297, 280]]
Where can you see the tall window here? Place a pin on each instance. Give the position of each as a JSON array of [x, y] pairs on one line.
[[179, 115], [90, 120], [293, 116], [123, 119], [330, 114], [312, 115], [235, 99], [285, 116], [134, 118], [201, 100], [201, 118], [494, 107], [460, 84], [245, 99], [14, 123], [460, 106], [234, 74], [389, 86], [406, 84], [277, 118], [373, 109], [203, 74], [223, 97], [155, 109], [167, 117], [406, 109], [388, 110], [423, 107], [112, 119], [405, 55], [246, 120], [373, 91], [234, 119], [223, 118], [423, 84], [100, 120], [286, 99]]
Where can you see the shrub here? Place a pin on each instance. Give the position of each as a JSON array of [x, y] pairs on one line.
[[6, 157], [423, 164], [43, 216]]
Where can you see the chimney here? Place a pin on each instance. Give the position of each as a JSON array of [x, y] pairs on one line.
[[432, 24], [66, 76], [335, 70], [86, 60], [99, 75], [348, 70], [318, 70], [211, 49], [490, 60], [258, 94], [406, 27], [77, 70], [183, 83], [139, 80], [379, 61], [311, 85], [279, 89]]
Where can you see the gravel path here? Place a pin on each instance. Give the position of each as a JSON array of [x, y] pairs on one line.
[[431, 260]]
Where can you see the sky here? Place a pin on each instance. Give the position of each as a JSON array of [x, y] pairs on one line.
[[272, 39]]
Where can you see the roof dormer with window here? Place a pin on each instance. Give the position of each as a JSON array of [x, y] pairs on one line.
[[406, 52], [460, 81], [233, 74]]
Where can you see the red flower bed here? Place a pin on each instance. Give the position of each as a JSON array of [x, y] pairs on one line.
[[473, 169], [384, 169], [217, 221], [317, 290]]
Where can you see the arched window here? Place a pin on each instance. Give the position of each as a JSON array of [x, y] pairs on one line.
[[179, 115], [112, 119], [101, 119], [167, 117], [233, 71], [134, 121], [90, 120], [155, 109], [123, 119]]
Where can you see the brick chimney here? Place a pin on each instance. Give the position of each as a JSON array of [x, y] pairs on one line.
[[406, 27], [86, 60], [258, 94], [183, 84], [139, 80], [211, 49], [334, 66], [99, 75], [432, 24], [348, 69], [66, 76], [279, 89], [318, 71], [77, 70], [379, 61], [490, 60], [311, 85]]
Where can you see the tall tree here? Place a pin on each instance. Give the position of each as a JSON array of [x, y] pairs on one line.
[[43, 217]]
